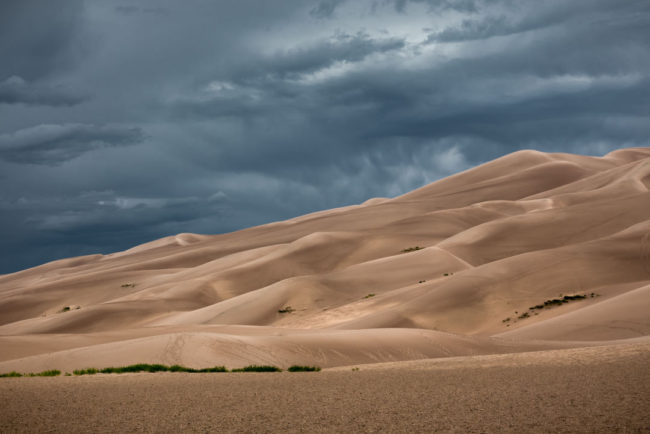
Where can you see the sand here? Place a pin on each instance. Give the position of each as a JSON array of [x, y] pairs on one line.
[[453, 269], [592, 390]]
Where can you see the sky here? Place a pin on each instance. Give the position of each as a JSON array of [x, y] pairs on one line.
[[124, 121]]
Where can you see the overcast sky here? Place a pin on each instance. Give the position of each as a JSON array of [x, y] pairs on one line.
[[125, 121]]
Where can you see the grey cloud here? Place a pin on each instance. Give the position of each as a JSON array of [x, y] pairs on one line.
[[39, 38], [468, 6], [342, 47], [257, 85], [15, 90], [515, 17], [53, 144], [130, 10], [479, 29], [290, 107], [325, 8]]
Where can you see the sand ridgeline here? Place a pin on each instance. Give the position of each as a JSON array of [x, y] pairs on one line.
[[529, 252]]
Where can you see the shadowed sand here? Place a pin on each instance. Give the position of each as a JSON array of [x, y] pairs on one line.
[[478, 263]]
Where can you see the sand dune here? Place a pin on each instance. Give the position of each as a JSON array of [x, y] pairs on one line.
[[454, 268]]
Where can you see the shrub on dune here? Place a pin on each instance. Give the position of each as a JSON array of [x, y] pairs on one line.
[[258, 368], [298, 368]]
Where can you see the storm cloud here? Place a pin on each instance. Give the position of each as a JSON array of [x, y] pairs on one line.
[[53, 144], [123, 122]]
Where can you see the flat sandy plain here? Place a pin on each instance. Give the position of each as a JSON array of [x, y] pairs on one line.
[[598, 389], [511, 297]]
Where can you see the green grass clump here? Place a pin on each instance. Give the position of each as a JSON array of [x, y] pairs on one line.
[[258, 368], [286, 309], [145, 367], [50, 373], [128, 285], [369, 295], [298, 368], [412, 249], [140, 367], [89, 371], [178, 368]]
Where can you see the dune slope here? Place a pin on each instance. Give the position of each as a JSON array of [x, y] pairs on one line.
[[529, 251]]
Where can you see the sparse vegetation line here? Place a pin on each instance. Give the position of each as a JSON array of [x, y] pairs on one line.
[[559, 301], [145, 367], [298, 368], [50, 373], [550, 303], [258, 368], [412, 249]]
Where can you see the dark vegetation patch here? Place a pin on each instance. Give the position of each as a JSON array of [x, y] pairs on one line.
[[286, 309], [50, 373], [298, 368], [145, 367], [369, 295], [550, 303], [412, 249], [558, 301], [128, 285], [258, 368]]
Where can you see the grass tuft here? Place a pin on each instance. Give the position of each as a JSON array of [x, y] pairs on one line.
[[89, 371], [286, 309], [50, 373], [412, 249], [298, 368], [369, 295], [258, 368], [145, 367]]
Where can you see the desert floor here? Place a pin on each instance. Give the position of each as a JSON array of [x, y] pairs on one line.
[[597, 389]]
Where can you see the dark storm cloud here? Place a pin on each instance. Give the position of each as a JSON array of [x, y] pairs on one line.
[[325, 8], [53, 144], [259, 111], [15, 90], [38, 38], [342, 47]]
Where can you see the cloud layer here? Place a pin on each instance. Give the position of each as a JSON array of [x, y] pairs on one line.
[[125, 123]]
